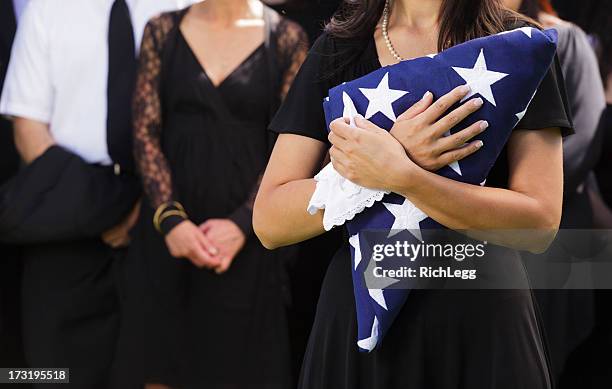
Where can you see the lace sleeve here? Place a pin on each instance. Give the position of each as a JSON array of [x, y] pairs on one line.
[[292, 49], [150, 160]]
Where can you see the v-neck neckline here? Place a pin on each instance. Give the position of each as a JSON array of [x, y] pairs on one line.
[[203, 68]]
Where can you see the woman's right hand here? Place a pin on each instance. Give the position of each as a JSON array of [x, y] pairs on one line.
[[186, 240], [422, 129]]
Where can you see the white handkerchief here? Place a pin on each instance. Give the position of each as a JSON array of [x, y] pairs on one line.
[[341, 198]]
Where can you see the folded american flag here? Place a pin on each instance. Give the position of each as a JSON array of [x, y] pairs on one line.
[[505, 70]]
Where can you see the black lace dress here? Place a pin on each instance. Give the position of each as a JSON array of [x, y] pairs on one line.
[[206, 147]]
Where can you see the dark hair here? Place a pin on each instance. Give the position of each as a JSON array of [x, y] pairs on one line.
[[460, 20]]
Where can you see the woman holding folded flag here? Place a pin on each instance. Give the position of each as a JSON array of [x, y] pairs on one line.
[[440, 338]]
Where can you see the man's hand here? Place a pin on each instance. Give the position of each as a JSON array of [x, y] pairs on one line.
[[32, 138], [227, 237], [119, 235]]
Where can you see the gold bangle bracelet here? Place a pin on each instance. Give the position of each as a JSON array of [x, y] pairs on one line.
[[162, 209], [167, 214], [158, 213]]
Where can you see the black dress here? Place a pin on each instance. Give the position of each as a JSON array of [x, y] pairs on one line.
[[442, 339], [205, 147]]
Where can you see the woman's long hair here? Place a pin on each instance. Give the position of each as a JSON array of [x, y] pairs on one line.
[[460, 20]]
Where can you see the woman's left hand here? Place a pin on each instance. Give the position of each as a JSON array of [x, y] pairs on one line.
[[227, 237], [367, 154]]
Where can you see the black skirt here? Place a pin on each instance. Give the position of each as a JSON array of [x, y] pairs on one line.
[[442, 339]]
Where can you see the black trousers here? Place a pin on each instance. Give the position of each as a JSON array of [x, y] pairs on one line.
[[70, 310]]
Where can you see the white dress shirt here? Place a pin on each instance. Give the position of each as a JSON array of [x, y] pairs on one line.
[[59, 64]]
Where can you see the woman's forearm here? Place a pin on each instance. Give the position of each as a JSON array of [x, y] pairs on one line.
[[280, 217], [502, 216]]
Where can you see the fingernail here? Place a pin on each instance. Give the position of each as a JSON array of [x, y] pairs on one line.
[[465, 89], [484, 125], [426, 95], [214, 251], [477, 102], [479, 144]]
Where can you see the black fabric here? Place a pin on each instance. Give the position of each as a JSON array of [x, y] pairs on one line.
[[59, 197], [441, 339], [8, 154], [312, 16], [70, 310], [11, 353], [121, 78], [189, 327], [603, 169]]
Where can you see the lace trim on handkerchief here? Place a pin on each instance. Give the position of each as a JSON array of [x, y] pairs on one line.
[[341, 198]]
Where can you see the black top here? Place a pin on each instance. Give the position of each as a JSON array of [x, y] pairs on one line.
[[332, 61], [234, 103]]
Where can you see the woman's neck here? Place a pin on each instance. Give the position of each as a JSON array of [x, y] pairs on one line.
[[417, 14], [227, 12]]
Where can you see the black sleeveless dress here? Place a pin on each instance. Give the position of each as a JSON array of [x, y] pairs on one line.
[[441, 339], [183, 326]]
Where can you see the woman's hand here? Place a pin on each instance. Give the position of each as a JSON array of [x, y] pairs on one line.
[[227, 237], [367, 155], [187, 241], [422, 132]]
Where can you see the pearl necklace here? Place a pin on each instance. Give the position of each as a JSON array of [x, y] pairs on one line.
[[385, 32]]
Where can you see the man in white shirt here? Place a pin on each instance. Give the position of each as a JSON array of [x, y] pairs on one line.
[[68, 90]]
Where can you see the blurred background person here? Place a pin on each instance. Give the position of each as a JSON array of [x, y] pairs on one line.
[[205, 302], [11, 353], [562, 308], [589, 365], [69, 81]]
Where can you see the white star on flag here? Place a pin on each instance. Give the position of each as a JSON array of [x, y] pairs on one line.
[[524, 30], [349, 108], [370, 342], [521, 114], [354, 242], [378, 296], [381, 98], [480, 79], [407, 217]]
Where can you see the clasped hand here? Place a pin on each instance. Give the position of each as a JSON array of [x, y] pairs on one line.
[[212, 245], [374, 158]]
